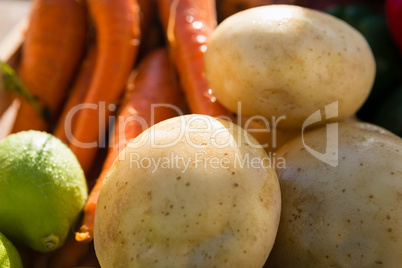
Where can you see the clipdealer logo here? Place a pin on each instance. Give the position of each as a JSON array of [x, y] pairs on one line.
[[331, 149], [200, 160], [106, 118]]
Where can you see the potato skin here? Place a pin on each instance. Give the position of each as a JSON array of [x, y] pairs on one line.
[[200, 216], [284, 60], [344, 216]]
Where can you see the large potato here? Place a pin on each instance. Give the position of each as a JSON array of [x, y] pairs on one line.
[[349, 215], [192, 191], [284, 60]]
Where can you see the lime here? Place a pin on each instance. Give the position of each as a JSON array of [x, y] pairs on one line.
[[42, 189], [9, 256]]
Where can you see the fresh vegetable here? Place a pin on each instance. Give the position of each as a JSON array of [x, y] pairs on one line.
[[150, 95], [66, 121], [117, 40], [284, 60], [188, 25], [211, 212], [53, 46], [109, 117], [343, 216]]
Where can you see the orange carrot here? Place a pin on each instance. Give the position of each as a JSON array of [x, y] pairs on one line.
[[152, 84], [188, 25], [117, 38], [65, 123], [53, 47]]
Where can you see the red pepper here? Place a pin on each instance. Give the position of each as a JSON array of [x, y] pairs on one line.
[[393, 10]]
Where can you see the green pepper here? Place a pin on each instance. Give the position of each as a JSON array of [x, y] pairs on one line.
[[372, 24]]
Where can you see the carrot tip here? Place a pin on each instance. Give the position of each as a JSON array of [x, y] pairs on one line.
[[83, 237]]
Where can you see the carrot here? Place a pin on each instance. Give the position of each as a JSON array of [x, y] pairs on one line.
[[53, 47], [65, 123], [117, 38], [152, 84], [188, 25]]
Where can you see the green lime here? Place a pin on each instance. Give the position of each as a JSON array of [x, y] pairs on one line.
[[42, 189], [9, 256]]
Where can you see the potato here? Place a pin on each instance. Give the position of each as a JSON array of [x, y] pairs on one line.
[[349, 215], [284, 60], [191, 191]]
